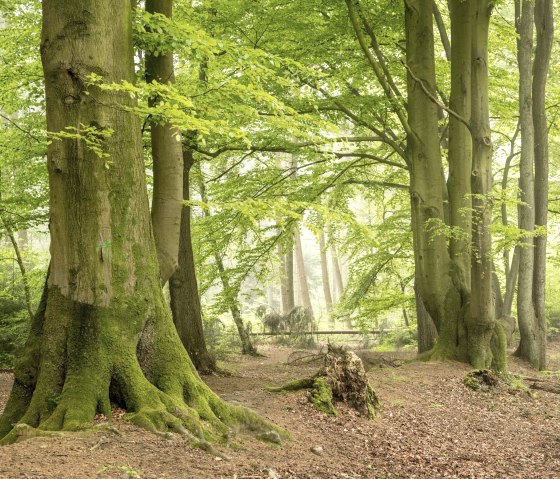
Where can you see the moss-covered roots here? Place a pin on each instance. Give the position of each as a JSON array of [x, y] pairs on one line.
[[92, 359], [483, 347]]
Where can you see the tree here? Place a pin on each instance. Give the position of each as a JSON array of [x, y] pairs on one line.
[[102, 332], [455, 285], [183, 287], [533, 177], [167, 157]]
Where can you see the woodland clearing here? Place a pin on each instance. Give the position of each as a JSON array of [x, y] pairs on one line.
[[430, 426]]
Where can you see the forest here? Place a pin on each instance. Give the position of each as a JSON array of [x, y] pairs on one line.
[[279, 239]]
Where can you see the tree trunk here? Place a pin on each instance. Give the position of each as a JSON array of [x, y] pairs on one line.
[[102, 332], [183, 288], [455, 287], [544, 20], [337, 275], [167, 160], [325, 277], [528, 345], [438, 293], [283, 280], [427, 332], [486, 341], [302, 277]]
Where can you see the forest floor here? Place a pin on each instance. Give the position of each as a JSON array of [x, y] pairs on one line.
[[430, 426]]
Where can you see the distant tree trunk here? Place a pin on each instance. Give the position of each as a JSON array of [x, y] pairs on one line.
[[183, 288], [337, 275], [325, 276], [21, 265], [302, 277], [287, 277], [167, 161], [511, 282], [290, 289], [247, 346]]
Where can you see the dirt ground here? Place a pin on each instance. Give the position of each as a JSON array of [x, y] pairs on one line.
[[430, 426]]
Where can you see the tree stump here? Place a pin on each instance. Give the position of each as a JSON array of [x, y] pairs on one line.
[[341, 378]]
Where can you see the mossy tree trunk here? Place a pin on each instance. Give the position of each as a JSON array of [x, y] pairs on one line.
[[454, 282], [439, 294], [102, 332], [183, 287]]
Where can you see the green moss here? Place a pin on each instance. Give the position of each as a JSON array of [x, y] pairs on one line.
[[296, 385], [321, 396], [480, 380]]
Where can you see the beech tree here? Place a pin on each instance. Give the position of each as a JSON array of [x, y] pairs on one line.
[[102, 332]]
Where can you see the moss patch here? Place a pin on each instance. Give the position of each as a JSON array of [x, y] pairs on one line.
[[321, 397]]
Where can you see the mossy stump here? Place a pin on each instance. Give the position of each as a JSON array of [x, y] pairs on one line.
[[341, 378]]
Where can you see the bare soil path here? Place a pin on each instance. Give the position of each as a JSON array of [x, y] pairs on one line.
[[431, 426]]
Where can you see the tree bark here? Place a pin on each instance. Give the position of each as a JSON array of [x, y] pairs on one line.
[[544, 22], [102, 332], [455, 285], [167, 159], [183, 287], [439, 296], [481, 323], [528, 345]]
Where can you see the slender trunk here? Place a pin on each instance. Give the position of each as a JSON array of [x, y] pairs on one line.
[[247, 346], [290, 289], [183, 287], [337, 274], [21, 265], [544, 19], [528, 345], [286, 278], [167, 161], [302, 277], [325, 276], [511, 282], [481, 324], [283, 280], [404, 311]]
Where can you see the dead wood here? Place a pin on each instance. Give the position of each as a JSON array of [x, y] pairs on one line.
[[341, 378]]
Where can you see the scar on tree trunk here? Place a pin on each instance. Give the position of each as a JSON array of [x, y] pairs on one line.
[[342, 378]]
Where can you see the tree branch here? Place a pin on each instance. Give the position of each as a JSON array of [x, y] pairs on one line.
[[433, 99]]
